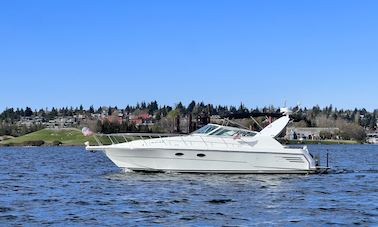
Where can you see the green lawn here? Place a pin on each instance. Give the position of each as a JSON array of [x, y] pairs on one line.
[[70, 136]]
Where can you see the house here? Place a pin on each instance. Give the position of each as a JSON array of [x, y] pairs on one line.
[[62, 122], [309, 133], [141, 119], [116, 117], [29, 121]]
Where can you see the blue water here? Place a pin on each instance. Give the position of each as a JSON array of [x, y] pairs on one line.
[[69, 186]]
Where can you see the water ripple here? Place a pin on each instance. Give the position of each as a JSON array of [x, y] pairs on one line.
[[69, 186]]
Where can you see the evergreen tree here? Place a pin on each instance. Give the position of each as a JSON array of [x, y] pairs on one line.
[[52, 114], [91, 109], [180, 107], [152, 107], [191, 106], [143, 105], [28, 112], [128, 109]]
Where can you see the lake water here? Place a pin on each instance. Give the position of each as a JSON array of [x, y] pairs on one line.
[[73, 187]]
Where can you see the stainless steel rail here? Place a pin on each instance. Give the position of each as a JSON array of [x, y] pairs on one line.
[[127, 137], [116, 138]]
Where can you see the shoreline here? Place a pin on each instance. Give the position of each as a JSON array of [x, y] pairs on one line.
[[45, 145], [323, 142], [284, 142]]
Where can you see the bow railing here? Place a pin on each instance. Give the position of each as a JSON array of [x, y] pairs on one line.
[[198, 140], [115, 138]]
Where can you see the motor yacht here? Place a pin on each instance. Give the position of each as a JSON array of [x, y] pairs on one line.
[[213, 148], [372, 138]]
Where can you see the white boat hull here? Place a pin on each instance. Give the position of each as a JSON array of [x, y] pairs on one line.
[[210, 161], [212, 150]]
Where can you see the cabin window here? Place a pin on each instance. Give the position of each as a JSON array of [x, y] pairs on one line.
[[201, 155], [179, 154], [246, 133]]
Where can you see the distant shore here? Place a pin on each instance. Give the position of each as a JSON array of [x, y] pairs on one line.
[[74, 137], [325, 142]]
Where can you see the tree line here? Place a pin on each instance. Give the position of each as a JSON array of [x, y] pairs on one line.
[[354, 119]]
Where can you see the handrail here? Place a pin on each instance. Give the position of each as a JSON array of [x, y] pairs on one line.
[[143, 136], [112, 137]]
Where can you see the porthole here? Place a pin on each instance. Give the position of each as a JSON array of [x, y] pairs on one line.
[[201, 155], [179, 154]]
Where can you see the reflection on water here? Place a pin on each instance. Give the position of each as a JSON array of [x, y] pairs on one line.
[[67, 185]]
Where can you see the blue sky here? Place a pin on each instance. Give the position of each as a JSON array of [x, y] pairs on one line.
[[67, 53]]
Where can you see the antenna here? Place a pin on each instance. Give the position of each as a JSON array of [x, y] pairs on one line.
[[285, 110]]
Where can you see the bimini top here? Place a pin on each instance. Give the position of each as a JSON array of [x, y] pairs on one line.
[[220, 130]]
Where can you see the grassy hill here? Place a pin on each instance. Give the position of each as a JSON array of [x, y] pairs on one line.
[[69, 136]]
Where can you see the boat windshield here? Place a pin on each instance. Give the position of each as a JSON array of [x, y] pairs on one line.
[[206, 129], [217, 130], [223, 132], [231, 132]]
